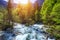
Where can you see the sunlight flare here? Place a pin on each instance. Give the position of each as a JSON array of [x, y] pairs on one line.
[[21, 1]]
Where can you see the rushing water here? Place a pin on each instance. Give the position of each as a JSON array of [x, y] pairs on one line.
[[22, 32]]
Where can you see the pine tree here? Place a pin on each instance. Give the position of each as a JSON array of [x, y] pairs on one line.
[[9, 8], [37, 14]]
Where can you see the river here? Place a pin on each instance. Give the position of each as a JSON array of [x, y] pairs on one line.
[[22, 32]]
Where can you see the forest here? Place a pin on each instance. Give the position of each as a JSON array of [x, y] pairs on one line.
[[48, 14]]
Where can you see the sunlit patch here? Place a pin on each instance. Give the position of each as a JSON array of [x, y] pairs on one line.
[[33, 1], [22, 1], [6, 0]]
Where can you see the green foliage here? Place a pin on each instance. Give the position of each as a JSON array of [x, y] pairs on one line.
[[55, 14], [55, 31], [50, 14], [15, 15], [2, 14], [46, 10]]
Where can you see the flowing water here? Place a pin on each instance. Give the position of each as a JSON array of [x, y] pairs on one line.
[[22, 32]]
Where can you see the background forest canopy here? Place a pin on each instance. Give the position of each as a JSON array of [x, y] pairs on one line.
[[48, 13], [25, 14]]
